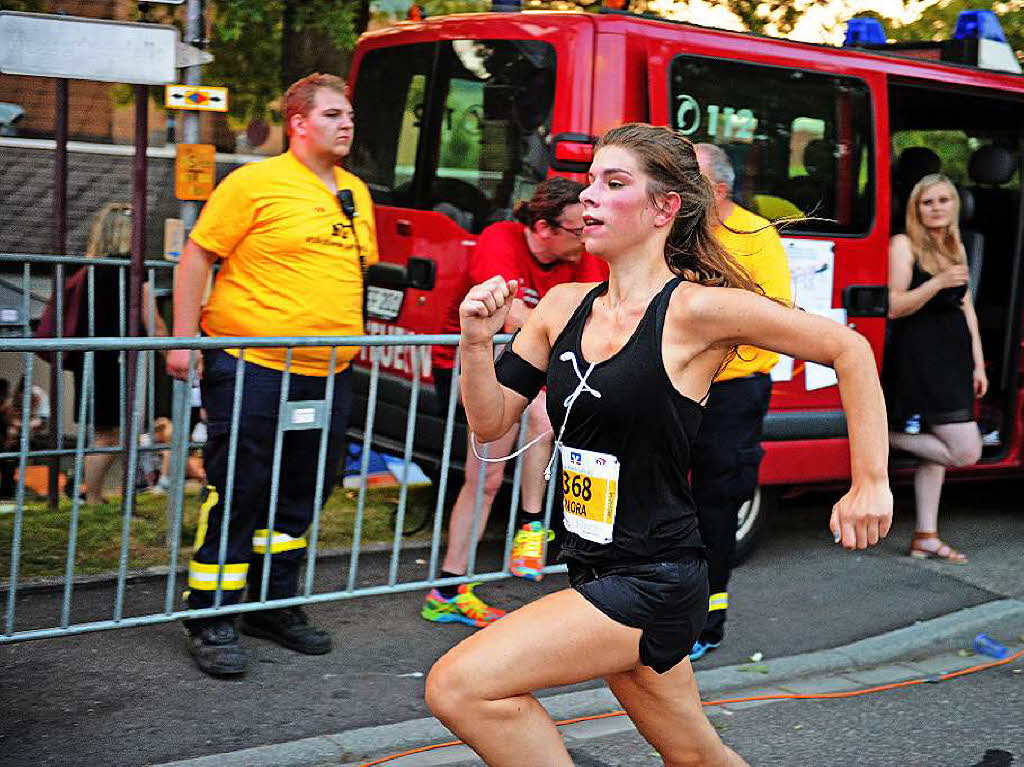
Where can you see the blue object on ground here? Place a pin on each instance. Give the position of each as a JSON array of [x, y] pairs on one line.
[[383, 464], [354, 458], [986, 645]]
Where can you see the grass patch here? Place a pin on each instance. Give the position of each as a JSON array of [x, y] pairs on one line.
[[44, 533]]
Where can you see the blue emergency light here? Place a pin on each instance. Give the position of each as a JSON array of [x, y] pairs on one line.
[[863, 30], [978, 25]]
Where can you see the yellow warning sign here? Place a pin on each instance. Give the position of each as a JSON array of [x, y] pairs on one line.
[[202, 97], [195, 171]]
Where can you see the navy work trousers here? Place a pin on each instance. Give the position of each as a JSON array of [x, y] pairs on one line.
[[726, 459], [257, 429]]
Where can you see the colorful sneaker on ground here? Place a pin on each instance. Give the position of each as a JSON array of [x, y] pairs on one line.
[[528, 551], [465, 607]]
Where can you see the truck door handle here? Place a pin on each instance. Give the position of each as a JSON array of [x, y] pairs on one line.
[[866, 300], [418, 273]]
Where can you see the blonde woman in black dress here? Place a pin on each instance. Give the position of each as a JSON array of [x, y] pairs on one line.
[[934, 366]]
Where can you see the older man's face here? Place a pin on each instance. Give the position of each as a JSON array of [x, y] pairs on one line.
[[721, 190]]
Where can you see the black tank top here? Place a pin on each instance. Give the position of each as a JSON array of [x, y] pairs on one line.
[[627, 409]]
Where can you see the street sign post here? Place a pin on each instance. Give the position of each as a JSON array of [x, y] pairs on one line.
[[195, 170], [204, 98], [87, 49]]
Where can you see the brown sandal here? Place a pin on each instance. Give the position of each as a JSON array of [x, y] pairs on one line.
[[945, 552]]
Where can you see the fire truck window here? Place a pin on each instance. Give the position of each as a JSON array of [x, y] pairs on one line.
[[389, 99], [497, 105], [459, 127], [800, 142]]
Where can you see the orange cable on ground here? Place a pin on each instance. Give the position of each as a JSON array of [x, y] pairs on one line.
[[778, 696]]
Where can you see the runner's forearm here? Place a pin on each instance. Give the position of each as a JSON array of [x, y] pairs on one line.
[[482, 395], [864, 404]]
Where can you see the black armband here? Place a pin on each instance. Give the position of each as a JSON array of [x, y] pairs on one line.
[[517, 374]]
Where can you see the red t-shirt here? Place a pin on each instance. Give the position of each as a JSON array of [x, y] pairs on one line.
[[501, 249]]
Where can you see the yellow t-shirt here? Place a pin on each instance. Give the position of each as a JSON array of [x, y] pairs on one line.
[[290, 262], [763, 256]]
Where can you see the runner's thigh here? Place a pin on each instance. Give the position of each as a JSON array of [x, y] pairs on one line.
[[559, 639]]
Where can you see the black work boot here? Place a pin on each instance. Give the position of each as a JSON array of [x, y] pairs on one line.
[[289, 627], [214, 645]]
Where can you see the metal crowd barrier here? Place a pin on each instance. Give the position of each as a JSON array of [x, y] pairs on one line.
[[22, 298], [356, 582]]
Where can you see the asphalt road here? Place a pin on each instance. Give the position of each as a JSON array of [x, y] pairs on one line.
[[133, 697], [952, 724]]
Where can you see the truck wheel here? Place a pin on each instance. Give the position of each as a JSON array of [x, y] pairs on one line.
[[416, 519], [752, 520]]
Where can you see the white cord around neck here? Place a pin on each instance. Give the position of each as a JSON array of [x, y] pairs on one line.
[[569, 401]]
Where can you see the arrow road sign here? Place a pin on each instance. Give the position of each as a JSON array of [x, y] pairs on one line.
[[198, 97]]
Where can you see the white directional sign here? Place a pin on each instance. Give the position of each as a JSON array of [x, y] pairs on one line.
[[87, 49]]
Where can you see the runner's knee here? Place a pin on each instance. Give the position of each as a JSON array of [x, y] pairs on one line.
[[448, 690]]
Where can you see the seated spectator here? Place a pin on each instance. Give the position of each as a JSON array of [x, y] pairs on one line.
[[39, 409], [163, 433]]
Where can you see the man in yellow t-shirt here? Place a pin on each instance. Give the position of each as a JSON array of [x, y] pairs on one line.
[[727, 452], [293, 234]]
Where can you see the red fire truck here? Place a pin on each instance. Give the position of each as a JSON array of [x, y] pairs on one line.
[[457, 117]]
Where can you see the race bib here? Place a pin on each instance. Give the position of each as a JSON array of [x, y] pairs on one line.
[[590, 492]]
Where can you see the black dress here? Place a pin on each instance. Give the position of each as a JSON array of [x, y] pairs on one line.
[[929, 364], [106, 313]]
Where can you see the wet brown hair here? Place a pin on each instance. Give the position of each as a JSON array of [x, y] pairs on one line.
[[549, 199], [669, 161], [299, 98]]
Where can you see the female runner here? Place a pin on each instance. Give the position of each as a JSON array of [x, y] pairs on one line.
[[627, 363]]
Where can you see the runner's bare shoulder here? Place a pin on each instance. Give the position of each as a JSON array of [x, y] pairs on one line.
[[557, 306]]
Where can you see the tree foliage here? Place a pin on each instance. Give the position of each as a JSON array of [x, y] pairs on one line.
[[759, 15], [938, 21], [26, 6], [260, 46]]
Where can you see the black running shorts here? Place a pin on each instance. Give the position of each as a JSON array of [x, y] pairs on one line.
[[668, 601]]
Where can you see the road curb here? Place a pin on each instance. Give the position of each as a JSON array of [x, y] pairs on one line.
[[999, 617]]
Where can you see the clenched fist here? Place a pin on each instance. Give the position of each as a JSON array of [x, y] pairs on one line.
[[483, 311]]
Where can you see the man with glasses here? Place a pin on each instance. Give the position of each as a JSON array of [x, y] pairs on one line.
[[541, 248]]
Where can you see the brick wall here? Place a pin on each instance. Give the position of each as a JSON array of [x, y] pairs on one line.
[[26, 197]]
